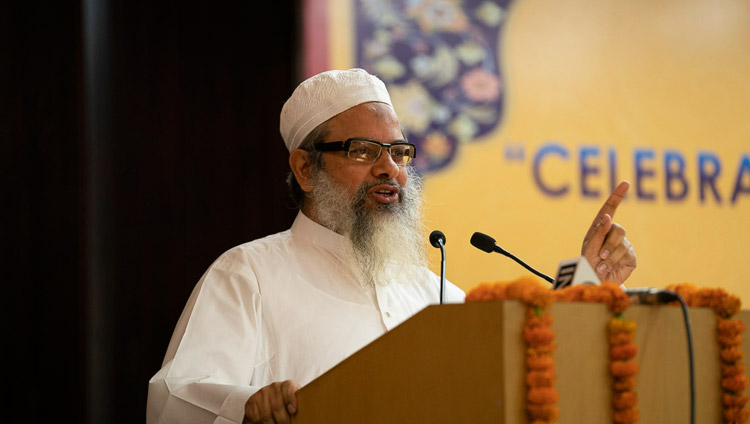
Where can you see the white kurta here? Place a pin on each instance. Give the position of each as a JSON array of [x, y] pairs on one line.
[[287, 306]]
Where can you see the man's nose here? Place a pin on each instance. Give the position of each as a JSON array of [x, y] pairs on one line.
[[385, 167]]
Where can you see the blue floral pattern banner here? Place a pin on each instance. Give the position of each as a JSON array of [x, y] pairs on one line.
[[439, 59]]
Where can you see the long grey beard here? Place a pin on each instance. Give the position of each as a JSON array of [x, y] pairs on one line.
[[387, 241]]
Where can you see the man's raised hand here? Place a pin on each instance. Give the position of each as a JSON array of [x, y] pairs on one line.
[[605, 246]]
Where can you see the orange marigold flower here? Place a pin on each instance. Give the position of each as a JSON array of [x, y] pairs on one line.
[[704, 297], [736, 400], [571, 293], [543, 413], [594, 294], [622, 384], [543, 349], [541, 298], [623, 369], [727, 306], [623, 352], [728, 340], [731, 354], [499, 291], [619, 300], [624, 400], [546, 378], [685, 290], [733, 414], [732, 369], [732, 327], [734, 383], [542, 395], [534, 320], [487, 291], [626, 416], [478, 293], [540, 362], [561, 295], [621, 338], [522, 289], [538, 336]]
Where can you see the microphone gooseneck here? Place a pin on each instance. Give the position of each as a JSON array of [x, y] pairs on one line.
[[488, 244], [437, 239]]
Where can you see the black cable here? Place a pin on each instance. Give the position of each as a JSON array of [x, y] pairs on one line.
[[649, 296], [686, 317]]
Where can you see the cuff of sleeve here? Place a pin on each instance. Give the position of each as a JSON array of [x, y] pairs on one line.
[[233, 409]]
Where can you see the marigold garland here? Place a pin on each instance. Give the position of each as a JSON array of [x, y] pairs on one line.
[[541, 395], [729, 337]]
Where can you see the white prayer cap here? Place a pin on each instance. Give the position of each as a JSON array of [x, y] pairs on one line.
[[325, 95]]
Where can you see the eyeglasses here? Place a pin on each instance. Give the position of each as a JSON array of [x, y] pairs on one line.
[[366, 150]]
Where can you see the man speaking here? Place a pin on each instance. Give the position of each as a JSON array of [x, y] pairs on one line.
[[275, 313]]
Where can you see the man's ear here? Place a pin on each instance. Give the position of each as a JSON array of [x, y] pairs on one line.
[[299, 162]]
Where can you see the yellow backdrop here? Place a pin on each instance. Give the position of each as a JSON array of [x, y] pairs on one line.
[[653, 91]]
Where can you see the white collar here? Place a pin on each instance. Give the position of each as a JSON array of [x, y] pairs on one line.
[[312, 232]]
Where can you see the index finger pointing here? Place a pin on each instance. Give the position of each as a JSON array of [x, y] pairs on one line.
[[613, 201]]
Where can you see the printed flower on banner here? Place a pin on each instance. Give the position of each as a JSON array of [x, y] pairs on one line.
[[436, 146], [440, 114], [470, 53], [379, 45], [413, 106], [389, 68], [463, 127], [438, 15], [480, 85], [490, 14], [437, 70]]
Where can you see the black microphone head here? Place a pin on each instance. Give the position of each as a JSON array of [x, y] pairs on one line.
[[437, 238], [483, 242]]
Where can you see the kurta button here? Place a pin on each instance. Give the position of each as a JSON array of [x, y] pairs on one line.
[[387, 314]]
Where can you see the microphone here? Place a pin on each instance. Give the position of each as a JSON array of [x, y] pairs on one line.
[[437, 239], [487, 243], [575, 271]]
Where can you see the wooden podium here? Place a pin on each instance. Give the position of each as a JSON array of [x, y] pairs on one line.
[[465, 364]]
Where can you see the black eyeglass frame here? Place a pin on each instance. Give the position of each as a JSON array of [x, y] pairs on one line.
[[343, 146]]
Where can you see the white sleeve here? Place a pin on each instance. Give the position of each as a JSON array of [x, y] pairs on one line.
[[453, 294], [216, 351]]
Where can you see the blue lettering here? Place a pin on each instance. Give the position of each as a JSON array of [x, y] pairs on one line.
[[674, 170], [544, 151], [587, 170], [641, 173], [612, 169], [744, 170], [707, 176]]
